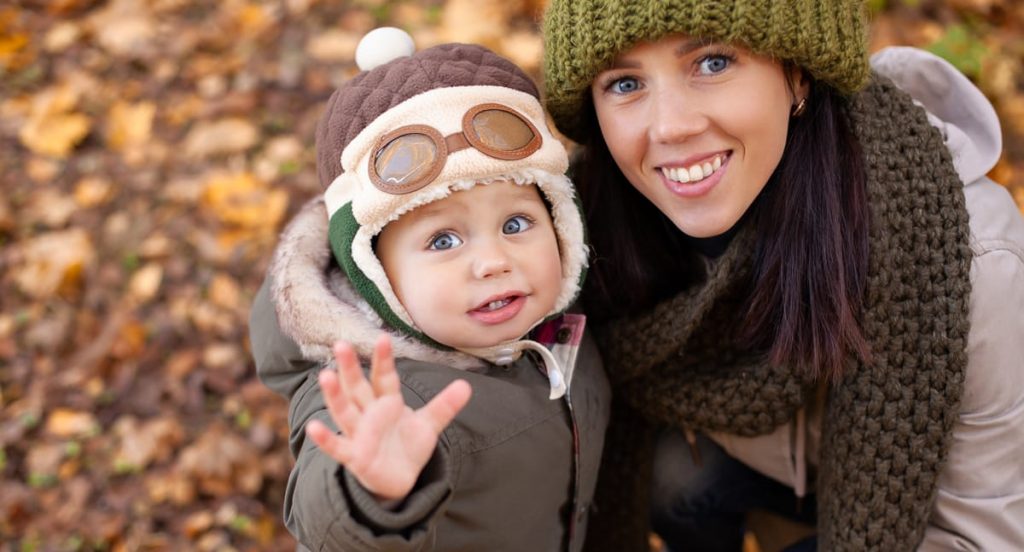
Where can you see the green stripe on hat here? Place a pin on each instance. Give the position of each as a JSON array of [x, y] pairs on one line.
[[341, 233]]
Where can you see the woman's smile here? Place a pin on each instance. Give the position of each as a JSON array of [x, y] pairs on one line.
[[698, 129], [697, 179]]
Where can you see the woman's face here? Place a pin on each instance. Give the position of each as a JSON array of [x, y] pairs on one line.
[[696, 127]]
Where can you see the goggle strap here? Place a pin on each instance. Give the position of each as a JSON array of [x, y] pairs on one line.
[[456, 142]]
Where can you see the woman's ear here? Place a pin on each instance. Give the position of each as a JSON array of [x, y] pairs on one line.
[[799, 83]]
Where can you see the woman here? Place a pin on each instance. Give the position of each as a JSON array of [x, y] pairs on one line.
[[788, 261]]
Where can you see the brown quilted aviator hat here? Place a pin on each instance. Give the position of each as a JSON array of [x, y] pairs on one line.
[[418, 128]]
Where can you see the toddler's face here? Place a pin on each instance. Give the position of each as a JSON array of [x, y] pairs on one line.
[[477, 268]]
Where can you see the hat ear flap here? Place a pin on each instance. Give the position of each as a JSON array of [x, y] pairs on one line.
[[342, 234]]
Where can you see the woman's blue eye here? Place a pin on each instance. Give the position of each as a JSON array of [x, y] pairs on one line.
[[714, 64], [625, 85], [516, 224], [445, 240]]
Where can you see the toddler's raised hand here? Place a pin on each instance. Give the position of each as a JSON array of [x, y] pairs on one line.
[[384, 443]]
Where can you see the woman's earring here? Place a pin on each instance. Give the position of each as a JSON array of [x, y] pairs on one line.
[[799, 108]]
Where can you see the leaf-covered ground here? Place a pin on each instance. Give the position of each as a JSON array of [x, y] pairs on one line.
[[150, 151]]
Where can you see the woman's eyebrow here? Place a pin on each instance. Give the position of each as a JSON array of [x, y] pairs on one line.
[[691, 45]]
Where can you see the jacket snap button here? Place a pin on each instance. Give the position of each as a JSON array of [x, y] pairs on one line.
[[563, 335]]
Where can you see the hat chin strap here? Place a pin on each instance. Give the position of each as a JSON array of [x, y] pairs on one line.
[[508, 352]]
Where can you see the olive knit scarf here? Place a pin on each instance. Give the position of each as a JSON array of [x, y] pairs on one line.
[[887, 425]]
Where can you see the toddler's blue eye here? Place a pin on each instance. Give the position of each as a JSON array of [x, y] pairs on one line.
[[516, 224], [445, 241], [625, 85]]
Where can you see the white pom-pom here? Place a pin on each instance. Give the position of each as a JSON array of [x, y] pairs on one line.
[[382, 45]]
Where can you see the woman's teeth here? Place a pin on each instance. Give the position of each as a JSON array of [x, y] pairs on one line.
[[695, 173]]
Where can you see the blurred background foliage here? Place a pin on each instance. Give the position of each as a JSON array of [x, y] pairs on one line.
[[150, 151]]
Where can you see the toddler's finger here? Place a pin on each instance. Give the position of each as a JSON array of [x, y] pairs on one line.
[[342, 412], [353, 383], [335, 446], [440, 411], [383, 376]]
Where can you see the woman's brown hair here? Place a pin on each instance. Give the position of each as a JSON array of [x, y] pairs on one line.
[[811, 252]]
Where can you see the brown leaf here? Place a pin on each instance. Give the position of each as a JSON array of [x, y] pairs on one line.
[[139, 445], [42, 169], [333, 46], [43, 460], [156, 246], [6, 217], [222, 137], [524, 48], [222, 355], [124, 28], [175, 487], [223, 463], [477, 21], [197, 523], [131, 340], [54, 262], [51, 208]]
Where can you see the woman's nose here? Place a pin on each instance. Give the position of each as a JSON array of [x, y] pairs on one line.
[[674, 116]]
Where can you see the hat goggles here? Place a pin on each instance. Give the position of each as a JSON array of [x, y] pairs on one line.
[[410, 157]]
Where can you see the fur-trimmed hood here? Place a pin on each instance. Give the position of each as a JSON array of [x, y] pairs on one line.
[[316, 304]]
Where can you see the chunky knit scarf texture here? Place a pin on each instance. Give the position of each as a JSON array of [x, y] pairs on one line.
[[888, 423]]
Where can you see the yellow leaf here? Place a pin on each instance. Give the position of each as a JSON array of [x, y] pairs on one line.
[[253, 19], [146, 282], [242, 200], [61, 36], [52, 128], [224, 291], [64, 422], [92, 191], [129, 125], [55, 135], [10, 44]]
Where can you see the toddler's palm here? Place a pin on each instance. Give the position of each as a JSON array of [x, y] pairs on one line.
[[385, 444]]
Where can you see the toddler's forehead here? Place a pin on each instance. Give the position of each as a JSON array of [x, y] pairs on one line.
[[493, 194]]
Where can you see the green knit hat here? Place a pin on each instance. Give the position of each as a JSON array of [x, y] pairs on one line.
[[826, 37]]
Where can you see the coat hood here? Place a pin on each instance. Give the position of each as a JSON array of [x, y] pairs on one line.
[[316, 304], [955, 106]]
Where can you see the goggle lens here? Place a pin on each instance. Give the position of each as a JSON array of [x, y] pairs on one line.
[[501, 131], [406, 158], [412, 156]]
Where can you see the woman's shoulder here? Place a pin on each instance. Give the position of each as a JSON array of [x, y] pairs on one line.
[[995, 345], [996, 221]]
